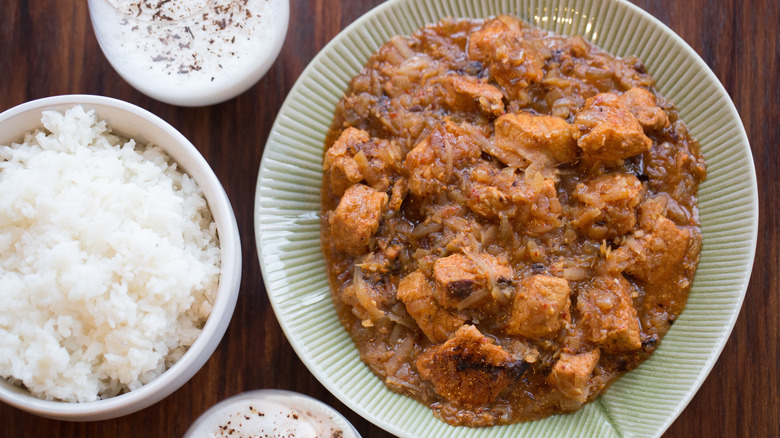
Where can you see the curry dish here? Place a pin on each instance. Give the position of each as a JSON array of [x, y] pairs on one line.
[[509, 218]]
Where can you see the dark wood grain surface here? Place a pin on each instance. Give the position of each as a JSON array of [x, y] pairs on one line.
[[47, 47]]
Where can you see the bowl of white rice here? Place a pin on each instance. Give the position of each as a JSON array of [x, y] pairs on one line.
[[120, 259]]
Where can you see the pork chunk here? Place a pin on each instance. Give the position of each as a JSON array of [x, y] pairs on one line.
[[660, 251], [468, 370], [432, 163], [466, 281], [571, 373], [608, 132], [605, 207], [356, 219], [541, 306], [514, 63], [523, 138], [656, 251], [356, 157], [608, 314], [529, 198], [642, 105], [467, 93], [436, 322]]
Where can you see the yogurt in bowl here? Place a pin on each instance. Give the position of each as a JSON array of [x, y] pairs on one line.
[[270, 412], [190, 52]]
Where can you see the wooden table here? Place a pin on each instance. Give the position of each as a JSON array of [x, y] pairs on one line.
[[47, 48]]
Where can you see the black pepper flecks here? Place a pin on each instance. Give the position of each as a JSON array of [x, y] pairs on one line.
[[181, 22], [238, 424]]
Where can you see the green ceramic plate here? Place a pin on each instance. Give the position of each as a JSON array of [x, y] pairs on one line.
[[642, 403]]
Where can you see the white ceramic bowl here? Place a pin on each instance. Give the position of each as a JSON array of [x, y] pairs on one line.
[[189, 60], [145, 127], [284, 413]]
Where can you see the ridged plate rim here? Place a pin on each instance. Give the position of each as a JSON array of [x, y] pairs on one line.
[[642, 403]]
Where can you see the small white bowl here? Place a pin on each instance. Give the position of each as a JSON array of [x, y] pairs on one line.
[[200, 53], [132, 121], [271, 412]]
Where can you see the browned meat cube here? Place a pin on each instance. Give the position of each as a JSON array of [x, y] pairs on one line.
[[489, 201], [655, 252], [545, 209], [514, 63], [540, 308], [662, 205], [530, 198], [356, 157], [660, 251], [642, 105], [608, 315], [571, 373], [522, 138], [464, 281], [356, 219], [608, 132], [436, 322], [651, 209], [468, 370], [606, 206], [467, 93], [432, 163]]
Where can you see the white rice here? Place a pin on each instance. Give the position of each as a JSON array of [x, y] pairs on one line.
[[109, 260]]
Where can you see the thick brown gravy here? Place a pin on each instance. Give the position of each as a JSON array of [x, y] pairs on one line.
[[509, 218]]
